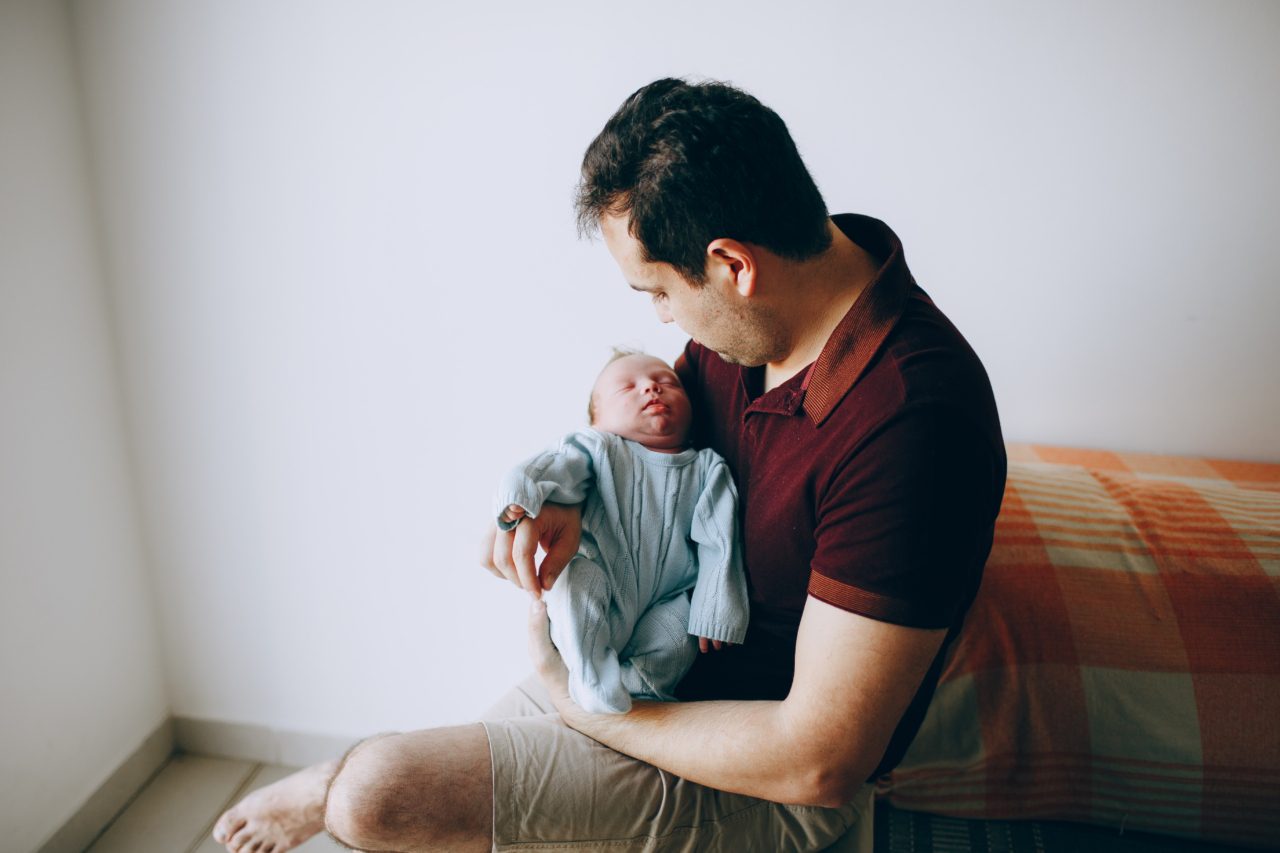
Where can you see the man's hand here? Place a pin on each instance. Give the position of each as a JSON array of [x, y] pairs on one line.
[[510, 554]]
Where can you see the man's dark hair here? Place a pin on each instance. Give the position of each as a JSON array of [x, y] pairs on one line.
[[692, 162]]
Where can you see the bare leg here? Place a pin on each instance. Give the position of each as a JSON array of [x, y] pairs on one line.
[[430, 789], [280, 816]]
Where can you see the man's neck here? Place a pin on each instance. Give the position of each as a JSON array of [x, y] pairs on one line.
[[825, 290]]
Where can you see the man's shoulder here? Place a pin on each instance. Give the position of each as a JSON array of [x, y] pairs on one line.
[[927, 362], [925, 388]]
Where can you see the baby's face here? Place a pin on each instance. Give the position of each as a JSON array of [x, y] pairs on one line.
[[639, 397]]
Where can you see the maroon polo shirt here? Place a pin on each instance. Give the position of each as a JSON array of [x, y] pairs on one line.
[[870, 480]]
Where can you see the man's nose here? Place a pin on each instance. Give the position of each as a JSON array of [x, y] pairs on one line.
[[664, 316]]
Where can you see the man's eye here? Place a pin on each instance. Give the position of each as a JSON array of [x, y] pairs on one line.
[[659, 297]]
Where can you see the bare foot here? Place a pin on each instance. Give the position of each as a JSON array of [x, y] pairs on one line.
[[280, 816]]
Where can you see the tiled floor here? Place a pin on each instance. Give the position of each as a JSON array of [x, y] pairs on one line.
[[176, 811]]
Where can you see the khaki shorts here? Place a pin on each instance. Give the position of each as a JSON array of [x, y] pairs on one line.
[[557, 789]]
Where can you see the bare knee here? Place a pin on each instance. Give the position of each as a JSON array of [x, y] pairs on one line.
[[423, 789], [355, 805]]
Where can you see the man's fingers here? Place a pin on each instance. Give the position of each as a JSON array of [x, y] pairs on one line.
[[523, 552], [486, 547], [501, 556], [511, 554], [486, 550], [560, 550]]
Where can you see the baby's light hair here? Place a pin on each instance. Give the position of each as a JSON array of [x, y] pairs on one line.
[[618, 352]]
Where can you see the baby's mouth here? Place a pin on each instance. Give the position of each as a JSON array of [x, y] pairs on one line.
[[652, 403]]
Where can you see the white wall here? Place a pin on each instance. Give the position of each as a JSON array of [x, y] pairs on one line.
[[79, 655], [350, 294]]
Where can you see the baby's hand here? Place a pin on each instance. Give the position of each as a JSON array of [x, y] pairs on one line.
[[515, 512], [715, 644]]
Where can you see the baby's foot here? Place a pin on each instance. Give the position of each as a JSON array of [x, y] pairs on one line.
[[280, 816]]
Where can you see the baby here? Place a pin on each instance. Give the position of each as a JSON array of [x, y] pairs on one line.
[[659, 519]]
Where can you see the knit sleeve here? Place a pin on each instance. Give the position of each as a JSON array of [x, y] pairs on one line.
[[563, 474], [720, 608]]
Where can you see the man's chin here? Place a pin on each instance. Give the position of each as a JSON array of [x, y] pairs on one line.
[[740, 360]]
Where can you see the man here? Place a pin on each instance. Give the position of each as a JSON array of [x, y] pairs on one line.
[[866, 449]]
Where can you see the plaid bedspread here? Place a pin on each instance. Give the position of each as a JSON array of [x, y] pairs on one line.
[[1121, 664]]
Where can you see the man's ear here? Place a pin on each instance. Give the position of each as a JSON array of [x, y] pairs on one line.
[[733, 263]]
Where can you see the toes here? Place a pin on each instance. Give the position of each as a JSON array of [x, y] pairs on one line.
[[227, 827], [240, 841]]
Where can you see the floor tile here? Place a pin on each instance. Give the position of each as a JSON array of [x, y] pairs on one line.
[[169, 814], [265, 775]]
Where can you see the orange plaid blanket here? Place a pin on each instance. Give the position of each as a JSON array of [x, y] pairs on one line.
[[1121, 663]]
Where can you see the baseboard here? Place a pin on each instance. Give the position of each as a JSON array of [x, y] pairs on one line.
[[114, 795], [250, 742], [244, 741]]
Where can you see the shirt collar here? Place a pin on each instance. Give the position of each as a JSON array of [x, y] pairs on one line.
[[860, 334]]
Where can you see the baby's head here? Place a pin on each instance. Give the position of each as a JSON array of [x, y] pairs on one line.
[[640, 398]]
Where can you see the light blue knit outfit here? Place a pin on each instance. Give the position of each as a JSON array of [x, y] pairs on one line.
[[654, 525]]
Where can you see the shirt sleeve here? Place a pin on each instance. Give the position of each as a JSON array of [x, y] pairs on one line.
[[720, 608], [906, 525], [562, 474]]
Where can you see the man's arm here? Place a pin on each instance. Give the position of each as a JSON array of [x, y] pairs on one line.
[[854, 679]]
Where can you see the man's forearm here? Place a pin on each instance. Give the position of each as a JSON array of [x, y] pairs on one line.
[[800, 750], [746, 747]]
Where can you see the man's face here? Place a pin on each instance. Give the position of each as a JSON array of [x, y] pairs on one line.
[[640, 398], [713, 314]]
